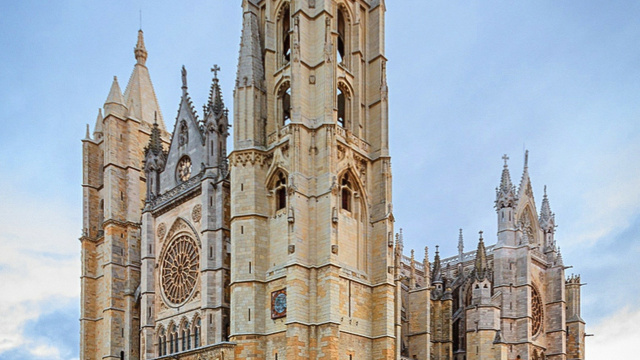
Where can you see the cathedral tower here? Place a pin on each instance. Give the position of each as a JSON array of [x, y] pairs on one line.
[[311, 214], [113, 195]]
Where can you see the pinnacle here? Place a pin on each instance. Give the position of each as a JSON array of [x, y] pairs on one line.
[[115, 94], [140, 51], [481, 259]]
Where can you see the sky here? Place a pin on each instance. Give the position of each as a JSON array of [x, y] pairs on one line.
[[468, 82]]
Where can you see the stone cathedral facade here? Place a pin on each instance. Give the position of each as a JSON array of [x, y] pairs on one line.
[[284, 247]]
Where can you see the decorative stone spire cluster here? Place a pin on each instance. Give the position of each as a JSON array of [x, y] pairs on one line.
[[506, 192], [547, 218], [436, 276], [481, 269], [215, 104]]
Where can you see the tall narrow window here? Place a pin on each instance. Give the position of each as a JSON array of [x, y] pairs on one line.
[[286, 106], [281, 192], [341, 37], [346, 192], [342, 113], [196, 334], [286, 30]]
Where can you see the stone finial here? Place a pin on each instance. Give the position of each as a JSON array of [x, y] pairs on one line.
[[140, 51], [87, 135]]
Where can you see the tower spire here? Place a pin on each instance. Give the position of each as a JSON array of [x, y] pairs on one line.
[[481, 260], [215, 104]]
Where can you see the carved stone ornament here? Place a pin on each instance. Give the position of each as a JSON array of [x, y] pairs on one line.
[[196, 213], [162, 230]]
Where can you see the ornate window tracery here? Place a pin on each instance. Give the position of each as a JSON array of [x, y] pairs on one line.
[[179, 269], [346, 192], [285, 26]]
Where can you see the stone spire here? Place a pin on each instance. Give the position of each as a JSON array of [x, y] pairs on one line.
[[460, 247], [547, 218], [525, 181], [115, 102], [215, 104], [97, 129], [481, 260], [437, 268], [140, 51], [250, 66], [506, 192], [155, 142], [139, 95]]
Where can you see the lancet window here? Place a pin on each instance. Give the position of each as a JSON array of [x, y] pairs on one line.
[[197, 333], [343, 41], [346, 192], [285, 38], [280, 191]]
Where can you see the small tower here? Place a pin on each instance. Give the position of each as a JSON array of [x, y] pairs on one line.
[[575, 324], [505, 205], [548, 224], [483, 318]]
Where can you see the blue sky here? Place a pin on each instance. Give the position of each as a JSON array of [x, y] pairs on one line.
[[469, 82]]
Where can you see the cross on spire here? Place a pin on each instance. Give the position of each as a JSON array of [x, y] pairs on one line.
[[215, 70], [505, 158]]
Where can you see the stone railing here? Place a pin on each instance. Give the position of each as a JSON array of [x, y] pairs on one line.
[[180, 189], [349, 138]]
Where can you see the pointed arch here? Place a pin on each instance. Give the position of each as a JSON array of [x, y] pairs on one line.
[[359, 185], [277, 185], [283, 16], [343, 103], [343, 45], [283, 103]]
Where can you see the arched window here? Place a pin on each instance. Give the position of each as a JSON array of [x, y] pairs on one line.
[[280, 190], [188, 337], [285, 22], [196, 334], [341, 108], [285, 100], [344, 104], [346, 192], [342, 37], [174, 336], [184, 335], [162, 342]]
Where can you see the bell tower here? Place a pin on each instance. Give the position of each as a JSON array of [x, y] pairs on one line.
[[311, 213]]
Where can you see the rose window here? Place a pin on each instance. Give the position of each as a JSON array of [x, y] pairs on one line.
[[184, 169], [536, 311], [179, 271]]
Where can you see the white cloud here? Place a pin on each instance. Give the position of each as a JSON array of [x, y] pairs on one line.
[[615, 337], [39, 264]]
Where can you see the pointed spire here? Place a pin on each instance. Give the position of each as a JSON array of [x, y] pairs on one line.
[[437, 267], [140, 51], [215, 104], [505, 193], [97, 129], [115, 94], [250, 64], [481, 260], [525, 181], [155, 142], [140, 96], [547, 218], [559, 260], [460, 246]]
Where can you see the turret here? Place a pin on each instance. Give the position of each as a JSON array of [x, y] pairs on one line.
[[216, 124], [436, 276], [482, 282], [114, 105], [575, 324], [505, 205]]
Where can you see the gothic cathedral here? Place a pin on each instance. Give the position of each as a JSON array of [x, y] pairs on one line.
[[284, 248]]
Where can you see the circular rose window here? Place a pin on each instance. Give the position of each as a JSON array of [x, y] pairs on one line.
[[179, 269], [536, 311]]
